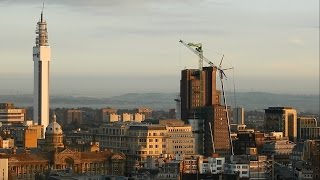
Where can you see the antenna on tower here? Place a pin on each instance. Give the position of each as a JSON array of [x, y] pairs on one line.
[[42, 12]]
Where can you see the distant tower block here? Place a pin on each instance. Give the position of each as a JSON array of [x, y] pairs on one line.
[[238, 115], [41, 58]]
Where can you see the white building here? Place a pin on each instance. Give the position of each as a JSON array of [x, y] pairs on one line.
[[213, 165], [41, 58]]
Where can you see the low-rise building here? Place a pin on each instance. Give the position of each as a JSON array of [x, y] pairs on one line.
[[55, 156], [211, 165], [170, 170]]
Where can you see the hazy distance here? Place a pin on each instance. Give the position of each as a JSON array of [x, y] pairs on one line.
[[108, 86]]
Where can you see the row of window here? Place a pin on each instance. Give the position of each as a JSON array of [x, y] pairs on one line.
[[183, 152], [179, 130], [182, 141], [156, 146], [187, 146]]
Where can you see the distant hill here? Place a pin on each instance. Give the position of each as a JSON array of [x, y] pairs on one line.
[[248, 100]]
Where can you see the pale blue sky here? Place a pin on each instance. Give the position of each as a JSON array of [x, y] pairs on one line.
[[112, 47]]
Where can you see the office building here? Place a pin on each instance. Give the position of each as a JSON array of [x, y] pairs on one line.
[[9, 114], [30, 138], [238, 115], [41, 59], [282, 119], [307, 128], [180, 139], [247, 141]]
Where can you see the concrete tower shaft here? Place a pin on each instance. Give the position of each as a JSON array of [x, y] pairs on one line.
[[41, 58]]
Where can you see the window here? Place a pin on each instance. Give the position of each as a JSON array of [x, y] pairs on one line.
[[150, 146], [150, 140]]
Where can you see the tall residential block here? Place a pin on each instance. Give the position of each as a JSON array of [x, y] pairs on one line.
[[282, 119], [146, 111], [41, 59], [73, 116], [103, 114]]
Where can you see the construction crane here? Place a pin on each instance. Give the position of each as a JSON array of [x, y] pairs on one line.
[[198, 51], [222, 74]]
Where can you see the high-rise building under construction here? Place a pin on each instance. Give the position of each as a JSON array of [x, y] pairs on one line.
[[196, 93], [201, 107]]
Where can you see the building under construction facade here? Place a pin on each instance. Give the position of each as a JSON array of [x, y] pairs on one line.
[[200, 102]]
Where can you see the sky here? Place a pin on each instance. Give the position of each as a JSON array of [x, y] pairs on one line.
[[106, 48]]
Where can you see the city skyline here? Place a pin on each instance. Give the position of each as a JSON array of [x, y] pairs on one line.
[[120, 47]]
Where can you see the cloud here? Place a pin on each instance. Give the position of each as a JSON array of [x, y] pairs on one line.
[[296, 41]]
